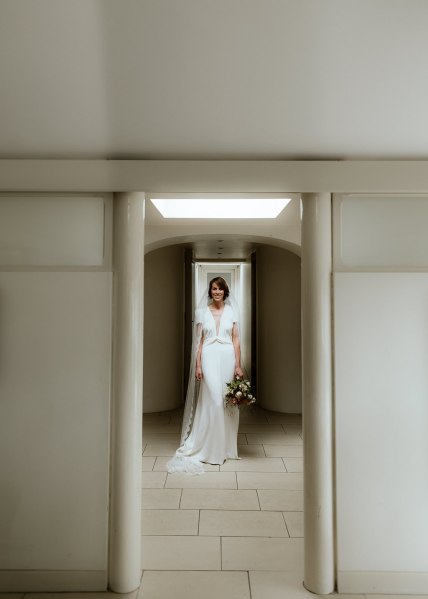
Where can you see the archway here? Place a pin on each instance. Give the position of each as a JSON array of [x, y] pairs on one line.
[[319, 545], [276, 326]]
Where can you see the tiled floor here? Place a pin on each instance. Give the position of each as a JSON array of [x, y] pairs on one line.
[[234, 532]]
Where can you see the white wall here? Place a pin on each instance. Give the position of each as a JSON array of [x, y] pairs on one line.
[[381, 390], [55, 356], [43, 230], [381, 348], [278, 330], [381, 232], [163, 329]]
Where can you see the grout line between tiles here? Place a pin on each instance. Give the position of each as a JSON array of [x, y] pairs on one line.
[[263, 454], [258, 499], [249, 584], [283, 516]]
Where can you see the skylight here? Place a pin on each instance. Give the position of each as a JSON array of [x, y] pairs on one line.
[[221, 207]]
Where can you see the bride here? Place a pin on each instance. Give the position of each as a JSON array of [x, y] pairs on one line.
[[209, 432]]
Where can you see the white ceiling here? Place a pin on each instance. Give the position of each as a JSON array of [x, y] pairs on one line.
[[214, 79], [222, 239]]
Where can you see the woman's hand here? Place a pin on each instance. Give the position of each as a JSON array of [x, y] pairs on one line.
[[198, 373], [238, 372]]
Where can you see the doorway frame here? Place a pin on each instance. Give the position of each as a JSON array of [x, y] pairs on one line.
[[317, 401], [204, 266]]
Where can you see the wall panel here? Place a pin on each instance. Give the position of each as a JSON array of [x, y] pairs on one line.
[[279, 367], [55, 354], [163, 329], [381, 382]]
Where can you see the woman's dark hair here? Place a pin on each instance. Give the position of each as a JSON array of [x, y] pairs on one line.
[[221, 283]]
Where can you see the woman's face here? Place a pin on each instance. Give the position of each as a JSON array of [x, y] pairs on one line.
[[216, 293]]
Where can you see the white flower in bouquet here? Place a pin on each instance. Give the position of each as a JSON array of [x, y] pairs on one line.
[[239, 393]]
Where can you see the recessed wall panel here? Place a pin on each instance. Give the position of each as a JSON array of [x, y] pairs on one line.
[[380, 232], [51, 231], [55, 356], [381, 423]]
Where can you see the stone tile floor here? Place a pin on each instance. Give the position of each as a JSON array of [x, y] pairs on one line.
[[234, 532]]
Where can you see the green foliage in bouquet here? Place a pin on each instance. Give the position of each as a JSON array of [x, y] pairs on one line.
[[239, 393]]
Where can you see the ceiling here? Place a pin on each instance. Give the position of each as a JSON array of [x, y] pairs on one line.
[[214, 79], [225, 239]]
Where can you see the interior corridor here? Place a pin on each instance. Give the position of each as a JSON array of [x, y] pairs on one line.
[[235, 531]]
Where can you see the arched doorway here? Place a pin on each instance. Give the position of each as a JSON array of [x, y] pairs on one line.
[[319, 553], [274, 334]]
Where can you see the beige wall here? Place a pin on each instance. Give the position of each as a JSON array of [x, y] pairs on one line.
[[55, 348], [381, 390], [278, 330], [163, 329], [54, 429]]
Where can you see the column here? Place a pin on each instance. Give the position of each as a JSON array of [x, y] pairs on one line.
[[319, 570], [126, 442]]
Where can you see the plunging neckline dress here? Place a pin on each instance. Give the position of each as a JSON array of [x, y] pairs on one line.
[[213, 437]]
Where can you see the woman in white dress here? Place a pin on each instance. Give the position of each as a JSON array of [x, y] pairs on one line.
[[209, 433]]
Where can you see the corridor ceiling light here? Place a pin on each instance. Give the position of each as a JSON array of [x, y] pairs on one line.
[[221, 207]]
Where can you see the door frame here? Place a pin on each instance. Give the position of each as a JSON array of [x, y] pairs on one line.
[[319, 542]]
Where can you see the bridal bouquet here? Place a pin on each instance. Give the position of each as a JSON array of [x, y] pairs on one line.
[[239, 393]]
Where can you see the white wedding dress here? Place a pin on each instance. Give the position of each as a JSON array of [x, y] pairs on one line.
[[214, 433]]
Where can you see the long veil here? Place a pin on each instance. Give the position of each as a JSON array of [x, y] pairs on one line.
[[193, 385]]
